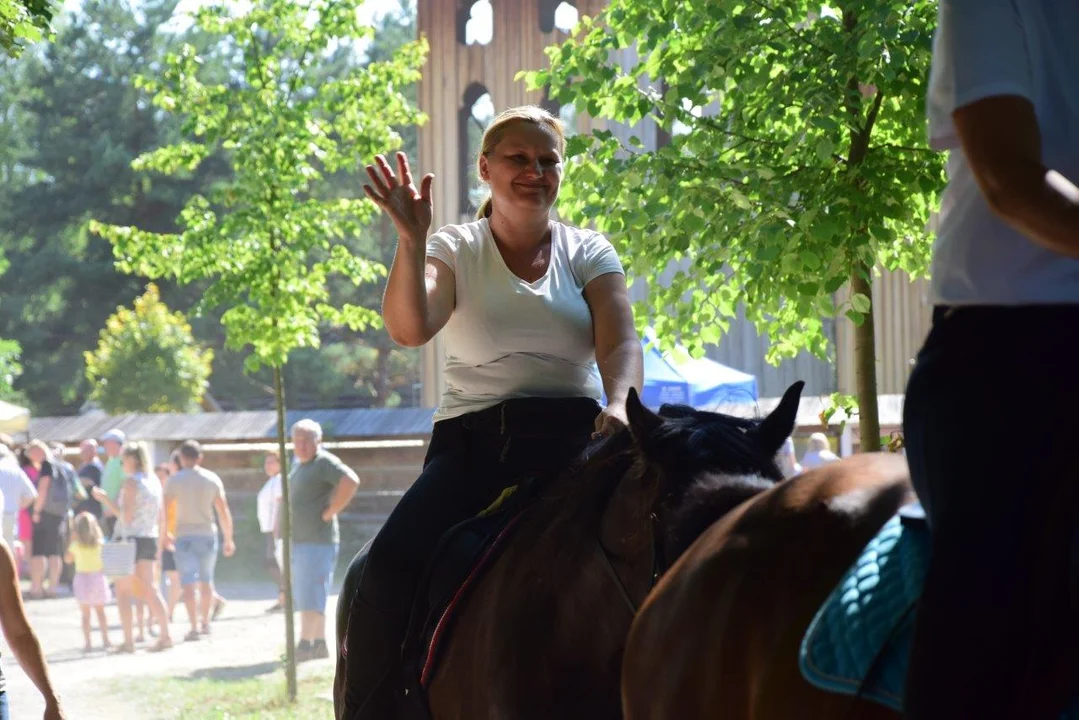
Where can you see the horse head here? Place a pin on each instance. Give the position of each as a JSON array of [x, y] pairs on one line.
[[691, 467]]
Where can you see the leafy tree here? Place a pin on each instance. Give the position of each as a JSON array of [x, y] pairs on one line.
[[9, 357], [795, 163], [11, 149], [24, 22], [71, 122], [383, 370], [147, 360], [76, 123], [268, 239]]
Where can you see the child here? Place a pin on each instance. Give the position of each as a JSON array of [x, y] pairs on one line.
[[91, 586]]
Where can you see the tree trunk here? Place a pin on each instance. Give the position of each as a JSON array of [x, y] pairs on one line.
[[286, 533], [865, 364], [382, 373]]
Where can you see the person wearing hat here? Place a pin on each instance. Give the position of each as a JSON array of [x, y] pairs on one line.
[[112, 478]]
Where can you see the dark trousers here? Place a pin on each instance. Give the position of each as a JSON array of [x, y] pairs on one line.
[[470, 461], [990, 426]]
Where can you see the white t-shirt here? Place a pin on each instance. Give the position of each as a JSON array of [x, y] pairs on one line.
[[816, 458], [508, 338], [987, 48], [15, 486], [266, 503]]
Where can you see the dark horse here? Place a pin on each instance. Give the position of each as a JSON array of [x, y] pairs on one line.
[[542, 633], [719, 636]]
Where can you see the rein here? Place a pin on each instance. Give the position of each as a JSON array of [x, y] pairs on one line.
[[621, 586]]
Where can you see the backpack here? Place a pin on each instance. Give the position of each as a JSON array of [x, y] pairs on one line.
[[61, 489]]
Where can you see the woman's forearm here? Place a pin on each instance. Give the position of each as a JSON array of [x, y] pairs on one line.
[[1043, 205], [404, 305], [20, 636], [27, 650], [342, 495], [621, 367], [109, 505]]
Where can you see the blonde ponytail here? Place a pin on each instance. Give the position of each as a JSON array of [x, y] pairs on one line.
[[485, 208]]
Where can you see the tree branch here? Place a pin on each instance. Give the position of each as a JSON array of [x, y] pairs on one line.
[[791, 29], [893, 146]]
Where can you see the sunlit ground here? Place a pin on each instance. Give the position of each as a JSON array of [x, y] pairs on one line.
[[235, 673]]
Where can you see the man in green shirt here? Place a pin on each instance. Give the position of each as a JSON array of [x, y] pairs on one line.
[[321, 487], [112, 477]]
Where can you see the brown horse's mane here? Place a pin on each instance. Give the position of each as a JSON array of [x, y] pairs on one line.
[[710, 462], [576, 499]]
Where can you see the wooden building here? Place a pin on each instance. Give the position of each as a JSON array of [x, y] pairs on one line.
[[477, 47], [384, 446]]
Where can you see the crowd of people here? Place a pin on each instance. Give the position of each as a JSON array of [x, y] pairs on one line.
[[175, 516], [170, 514]]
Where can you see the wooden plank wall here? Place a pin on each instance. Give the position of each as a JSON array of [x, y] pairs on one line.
[[902, 316]]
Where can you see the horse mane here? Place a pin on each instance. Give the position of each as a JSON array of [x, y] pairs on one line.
[[588, 481], [723, 466], [707, 500], [574, 501], [712, 455]]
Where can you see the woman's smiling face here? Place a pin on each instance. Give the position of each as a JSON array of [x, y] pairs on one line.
[[524, 169]]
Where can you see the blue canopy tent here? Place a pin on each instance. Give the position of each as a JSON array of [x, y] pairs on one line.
[[700, 382]]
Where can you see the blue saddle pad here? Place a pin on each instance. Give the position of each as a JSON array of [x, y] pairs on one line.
[[865, 626]]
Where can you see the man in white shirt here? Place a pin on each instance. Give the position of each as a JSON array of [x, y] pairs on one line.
[[996, 633], [268, 505], [16, 490]]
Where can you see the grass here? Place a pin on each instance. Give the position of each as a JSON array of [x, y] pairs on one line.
[[260, 698]]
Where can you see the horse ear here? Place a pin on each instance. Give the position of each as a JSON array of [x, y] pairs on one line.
[[642, 421], [778, 426]]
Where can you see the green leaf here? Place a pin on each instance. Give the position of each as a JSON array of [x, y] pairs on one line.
[[825, 149], [860, 303]]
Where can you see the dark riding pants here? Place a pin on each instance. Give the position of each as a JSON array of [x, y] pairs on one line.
[[470, 461], [990, 423]]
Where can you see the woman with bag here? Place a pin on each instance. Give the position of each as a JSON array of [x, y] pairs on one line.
[[138, 516]]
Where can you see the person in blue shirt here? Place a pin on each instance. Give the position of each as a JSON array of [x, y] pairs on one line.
[[995, 629]]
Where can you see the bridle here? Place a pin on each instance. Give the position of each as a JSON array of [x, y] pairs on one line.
[[657, 566]]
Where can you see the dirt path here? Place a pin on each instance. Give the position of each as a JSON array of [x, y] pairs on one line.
[[245, 642]]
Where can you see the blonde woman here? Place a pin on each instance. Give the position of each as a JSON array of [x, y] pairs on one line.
[[818, 452], [537, 322], [138, 516]]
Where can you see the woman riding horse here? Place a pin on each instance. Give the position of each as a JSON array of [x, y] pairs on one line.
[[530, 307]]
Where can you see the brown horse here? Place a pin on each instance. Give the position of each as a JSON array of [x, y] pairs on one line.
[[542, 633], [719, 636]]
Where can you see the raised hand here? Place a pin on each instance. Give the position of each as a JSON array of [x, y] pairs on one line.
[[410, 209]]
